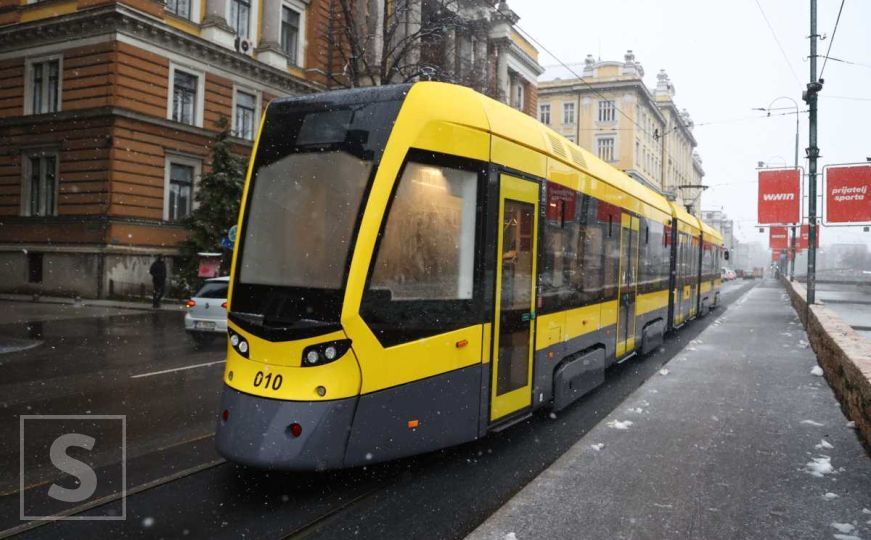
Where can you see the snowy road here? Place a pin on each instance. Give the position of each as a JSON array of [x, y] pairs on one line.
[[180, 487]]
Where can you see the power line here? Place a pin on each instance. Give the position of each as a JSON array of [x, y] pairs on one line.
[[774, 35], [851, 98], [581, 79], [832, 39], [846, 62]]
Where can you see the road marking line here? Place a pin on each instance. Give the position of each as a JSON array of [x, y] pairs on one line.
[[153, 373]]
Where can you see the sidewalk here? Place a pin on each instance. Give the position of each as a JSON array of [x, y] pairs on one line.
[[167, 304], [736, 438]]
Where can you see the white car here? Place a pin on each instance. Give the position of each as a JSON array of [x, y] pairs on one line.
[[206, 318]]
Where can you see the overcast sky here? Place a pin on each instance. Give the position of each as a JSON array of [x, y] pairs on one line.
[[723, 61]]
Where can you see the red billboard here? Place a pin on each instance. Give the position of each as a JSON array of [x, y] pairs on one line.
[[778, 238], [802, 242], [848, 193], [779, 196]]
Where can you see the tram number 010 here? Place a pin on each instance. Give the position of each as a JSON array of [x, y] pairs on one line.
[[266, 380]]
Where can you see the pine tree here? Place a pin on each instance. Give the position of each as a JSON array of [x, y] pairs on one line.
[[218, 196]]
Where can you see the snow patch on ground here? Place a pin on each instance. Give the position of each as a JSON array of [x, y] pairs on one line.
[[636, 410], [663, 371], [824, 444], [812, 423], [846, 537], [851, 424], [618, 424], [817, 370], [510, 536], [845, 528], [830, 496], [819, 467], [552, 416], [597, 446]]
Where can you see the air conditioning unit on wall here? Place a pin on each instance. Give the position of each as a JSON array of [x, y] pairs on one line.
[[244, 46]]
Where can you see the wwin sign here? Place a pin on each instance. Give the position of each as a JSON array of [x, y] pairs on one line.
[[779, 196]]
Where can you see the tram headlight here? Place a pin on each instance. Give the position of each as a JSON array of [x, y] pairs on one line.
[[324, 353], [239, 344]]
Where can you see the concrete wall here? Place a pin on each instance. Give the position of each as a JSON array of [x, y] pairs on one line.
[[844, 355], [65, 274]]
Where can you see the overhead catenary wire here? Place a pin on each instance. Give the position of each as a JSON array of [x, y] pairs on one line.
[[777, 40], [832, 39], [581, 79]]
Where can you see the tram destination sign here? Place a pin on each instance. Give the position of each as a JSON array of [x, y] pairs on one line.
[[847, 191], [779, 196]]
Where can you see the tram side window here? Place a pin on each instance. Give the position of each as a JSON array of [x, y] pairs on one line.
[[609, 219], [654, 256], [707, 261], [423, 277], [573, 269]]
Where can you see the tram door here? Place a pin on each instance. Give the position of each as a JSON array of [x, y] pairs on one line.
[[511, 387], [627, 284]]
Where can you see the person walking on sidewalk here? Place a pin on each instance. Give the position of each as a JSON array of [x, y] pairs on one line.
[[158, 279]]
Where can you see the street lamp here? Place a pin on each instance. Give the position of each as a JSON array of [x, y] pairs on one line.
[[768, 110]]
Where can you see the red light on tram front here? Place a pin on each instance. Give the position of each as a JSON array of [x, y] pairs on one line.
[[225, 415], [295, 429]]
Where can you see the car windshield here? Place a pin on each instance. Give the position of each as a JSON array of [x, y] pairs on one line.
[[315, 159]]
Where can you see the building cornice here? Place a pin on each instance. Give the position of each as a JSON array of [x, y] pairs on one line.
[[575, 87], [121, 19]]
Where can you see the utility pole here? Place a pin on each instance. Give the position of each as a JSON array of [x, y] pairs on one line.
[[813, 153]]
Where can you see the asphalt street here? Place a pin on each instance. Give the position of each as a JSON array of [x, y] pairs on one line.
[[142, 365]]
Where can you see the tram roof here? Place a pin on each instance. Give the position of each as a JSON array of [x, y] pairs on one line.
[[707, 230], [523, 129], [682, 215]]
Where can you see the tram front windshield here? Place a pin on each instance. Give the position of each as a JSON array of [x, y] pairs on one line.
[[314, 162]]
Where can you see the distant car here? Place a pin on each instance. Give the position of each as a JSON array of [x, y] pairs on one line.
[[206, 318], [727, 274]]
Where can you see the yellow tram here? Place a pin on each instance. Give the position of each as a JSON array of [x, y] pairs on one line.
[[418, 265]]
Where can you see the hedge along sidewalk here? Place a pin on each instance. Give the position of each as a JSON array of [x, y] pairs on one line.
[[844, 355]]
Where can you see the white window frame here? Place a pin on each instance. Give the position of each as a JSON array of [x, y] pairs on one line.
[[604, 110], [180, 159], [566, 106], [300, 8], [253, 19], [258, 105], [542, 108], [195, 12], [200, 105], [614, 153], [28, 81], [25, 180]]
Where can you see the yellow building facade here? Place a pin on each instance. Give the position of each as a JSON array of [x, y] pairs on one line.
[[612, 113]]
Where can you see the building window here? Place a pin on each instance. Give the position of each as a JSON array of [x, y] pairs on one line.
[[43, 87], [605, 148], [290, 25], [517, 94], [544, 113], [181, 174], [180, 8], [637, 153], [245, 115], [240, 17], [40, 185], [568, 113], [606, 111], [186, 98]]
